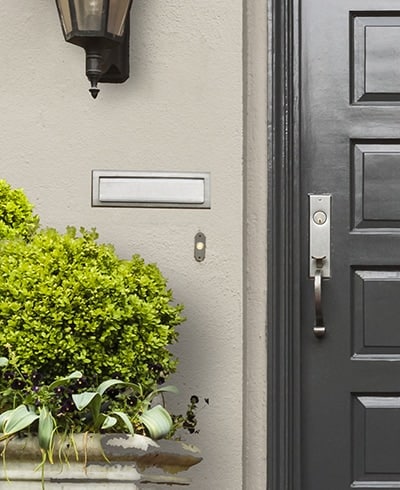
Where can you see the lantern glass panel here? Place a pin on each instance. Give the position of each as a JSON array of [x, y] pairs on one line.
[[117, 15], [89, 14], [65, 16]]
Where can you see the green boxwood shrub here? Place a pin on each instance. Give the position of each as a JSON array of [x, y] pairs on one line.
[[16, 213], [84, 335], [69, 303]]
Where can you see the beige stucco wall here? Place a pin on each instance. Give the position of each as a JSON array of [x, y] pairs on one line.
[[195, 102], [255, 246]]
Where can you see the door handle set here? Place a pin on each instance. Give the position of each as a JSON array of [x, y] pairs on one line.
[[319, 252]]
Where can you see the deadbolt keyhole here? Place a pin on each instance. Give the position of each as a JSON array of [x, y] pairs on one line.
[[319, 218]]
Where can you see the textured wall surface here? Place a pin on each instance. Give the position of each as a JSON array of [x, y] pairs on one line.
[[255, 236], [181, 110]]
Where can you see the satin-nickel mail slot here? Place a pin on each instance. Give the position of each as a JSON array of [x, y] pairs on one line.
[[151, 189]]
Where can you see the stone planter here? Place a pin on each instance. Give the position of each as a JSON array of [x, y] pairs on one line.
[[133, 463]]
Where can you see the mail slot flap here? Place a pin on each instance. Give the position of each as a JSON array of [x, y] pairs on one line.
[[151, 189]]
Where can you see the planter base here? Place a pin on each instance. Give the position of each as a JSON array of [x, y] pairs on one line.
[[134, 463]]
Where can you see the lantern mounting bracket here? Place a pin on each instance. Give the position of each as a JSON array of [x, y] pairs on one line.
[[116, 61]]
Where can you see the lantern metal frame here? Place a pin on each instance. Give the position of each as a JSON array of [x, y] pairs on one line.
[[107, 54]]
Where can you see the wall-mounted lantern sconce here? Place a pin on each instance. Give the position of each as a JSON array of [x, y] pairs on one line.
[[101, 27]]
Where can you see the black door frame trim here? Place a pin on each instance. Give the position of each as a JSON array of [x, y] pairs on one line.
[[283, 252]]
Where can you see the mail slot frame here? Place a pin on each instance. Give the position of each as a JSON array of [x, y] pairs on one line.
[[98, 175]]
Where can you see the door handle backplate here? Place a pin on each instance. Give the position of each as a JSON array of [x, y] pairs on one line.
[[320, 233]]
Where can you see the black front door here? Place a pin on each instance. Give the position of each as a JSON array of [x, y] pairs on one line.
[[350, 148]]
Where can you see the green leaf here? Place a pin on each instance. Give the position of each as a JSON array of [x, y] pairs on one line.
[[167, 389], [4, 417], [19, 419], [3, 361], [108, 422], [46, 431], [61, 381], [83, 400], [162, 389], [126, 421], [107, 384], [157, 421]]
